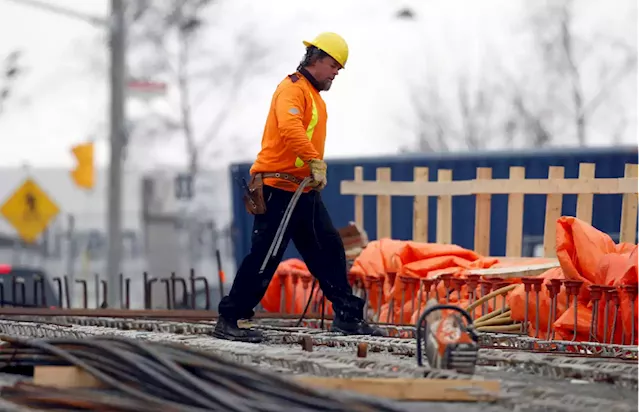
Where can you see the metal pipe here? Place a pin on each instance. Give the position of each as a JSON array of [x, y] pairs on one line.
[[149, 287], [67, 292], [207, 291], [58, 282], [127, 293], [85, 297], [167, 282], [185, 293], [105, 294]]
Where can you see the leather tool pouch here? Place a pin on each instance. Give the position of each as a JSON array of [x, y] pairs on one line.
[[254, 196]]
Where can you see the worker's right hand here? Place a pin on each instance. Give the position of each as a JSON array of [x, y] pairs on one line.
[[318, 173]]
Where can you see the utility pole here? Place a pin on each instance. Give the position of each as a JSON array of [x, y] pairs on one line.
[[118, 45], [117, 26]]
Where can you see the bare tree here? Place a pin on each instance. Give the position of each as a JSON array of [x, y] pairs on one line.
[[578, 74], [468, 117], [11, 71], [427, 120], [169, 37], [574, 83], [464, 113]]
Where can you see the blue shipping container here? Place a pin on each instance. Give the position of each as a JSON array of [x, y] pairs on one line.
[[610, 162]]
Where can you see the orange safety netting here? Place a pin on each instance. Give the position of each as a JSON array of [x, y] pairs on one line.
[[584, 253]]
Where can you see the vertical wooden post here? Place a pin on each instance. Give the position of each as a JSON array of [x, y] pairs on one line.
[[482, 230], [421, 208], [584, 205], [515, 216], [383, 205], [443, 225], [629, 215], [552, 214], [358, 207]]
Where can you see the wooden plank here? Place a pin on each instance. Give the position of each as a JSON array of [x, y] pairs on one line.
[[383, 212], [444, 215], [516, 271], [358, 207], [524, 260], [629, 216], [493, 186], [515, 213], [407, 389], [552, 214], [584, 205], [421, 208], [64, 377], [481, 240]]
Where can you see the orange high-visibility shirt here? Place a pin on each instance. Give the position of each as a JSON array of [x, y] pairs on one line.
[[294, 133]]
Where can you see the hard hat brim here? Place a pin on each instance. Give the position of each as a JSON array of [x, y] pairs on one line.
[[308, 44]]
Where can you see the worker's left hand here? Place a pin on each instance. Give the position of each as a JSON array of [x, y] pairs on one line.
[[318, 173]]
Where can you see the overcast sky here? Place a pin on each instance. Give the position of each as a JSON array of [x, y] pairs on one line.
[[62, 99]]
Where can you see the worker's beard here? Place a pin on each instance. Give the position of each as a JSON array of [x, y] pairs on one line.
[[326, 85]]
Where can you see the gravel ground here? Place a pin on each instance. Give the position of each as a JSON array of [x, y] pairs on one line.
[[529, 382]]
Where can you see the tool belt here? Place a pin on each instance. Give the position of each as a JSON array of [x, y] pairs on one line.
[[254, 192]]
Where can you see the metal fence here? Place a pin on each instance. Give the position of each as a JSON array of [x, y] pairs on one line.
[[81, 256], [75, 242]]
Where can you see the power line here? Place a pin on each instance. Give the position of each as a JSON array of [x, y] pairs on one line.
[[63, 11]]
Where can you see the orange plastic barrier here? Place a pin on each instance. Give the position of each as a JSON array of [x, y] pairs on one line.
[[584, 254]]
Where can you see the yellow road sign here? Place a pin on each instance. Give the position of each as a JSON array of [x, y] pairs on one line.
[[29, 210]]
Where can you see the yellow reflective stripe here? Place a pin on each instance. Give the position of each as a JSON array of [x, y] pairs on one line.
[[310, 128]]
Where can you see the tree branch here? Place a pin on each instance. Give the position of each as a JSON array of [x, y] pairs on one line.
[[156, 28], [185, 105], [574, 74]]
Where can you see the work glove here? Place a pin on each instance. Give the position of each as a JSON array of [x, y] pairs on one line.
[[318, 173]]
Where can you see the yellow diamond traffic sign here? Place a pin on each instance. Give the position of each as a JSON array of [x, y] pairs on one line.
[[29, 210]]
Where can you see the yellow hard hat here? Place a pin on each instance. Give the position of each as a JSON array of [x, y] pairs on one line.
[[332, 44]]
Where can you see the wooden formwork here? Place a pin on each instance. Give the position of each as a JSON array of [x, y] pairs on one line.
[[483, 186]]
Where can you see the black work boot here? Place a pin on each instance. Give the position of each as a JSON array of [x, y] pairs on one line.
[[355, 327], [229, 330]]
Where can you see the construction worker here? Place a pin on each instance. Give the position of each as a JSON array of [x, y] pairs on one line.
[[293, 149]]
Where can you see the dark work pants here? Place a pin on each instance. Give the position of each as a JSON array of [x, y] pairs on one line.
[[317, 241]]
